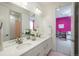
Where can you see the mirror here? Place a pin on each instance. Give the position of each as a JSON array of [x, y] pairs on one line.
[[15, 21]]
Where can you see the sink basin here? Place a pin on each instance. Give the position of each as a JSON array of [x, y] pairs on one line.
[[22, 46]]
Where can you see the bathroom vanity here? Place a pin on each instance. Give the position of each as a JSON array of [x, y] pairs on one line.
[[39, 47]]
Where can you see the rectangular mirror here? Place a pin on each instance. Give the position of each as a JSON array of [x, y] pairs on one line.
[[15, 20]]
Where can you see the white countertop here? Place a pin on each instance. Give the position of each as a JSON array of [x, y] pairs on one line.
[[19, 49]]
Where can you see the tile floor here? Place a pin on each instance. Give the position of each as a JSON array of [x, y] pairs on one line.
[[64, 46]]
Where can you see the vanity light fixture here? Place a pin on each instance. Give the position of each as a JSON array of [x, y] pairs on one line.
[[38, 11], [24, 5]]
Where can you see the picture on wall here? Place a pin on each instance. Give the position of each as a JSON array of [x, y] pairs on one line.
[[60, 26]]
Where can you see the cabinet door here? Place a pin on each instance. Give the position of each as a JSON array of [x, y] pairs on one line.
[[40, 50], [45, 49], [49, 41], [37, 51], [47, 46], [32, 52]]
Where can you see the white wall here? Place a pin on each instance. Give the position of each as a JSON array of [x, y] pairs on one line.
[[49, 20], [4, 12]]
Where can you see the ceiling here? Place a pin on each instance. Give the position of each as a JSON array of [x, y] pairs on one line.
[[64, 11], [42, 5], [52, 3]]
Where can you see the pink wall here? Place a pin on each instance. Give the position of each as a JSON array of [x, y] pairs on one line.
[[67, 24]]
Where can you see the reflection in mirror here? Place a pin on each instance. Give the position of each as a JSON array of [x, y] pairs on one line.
[[15, 25], [32, 22], [15, 22]]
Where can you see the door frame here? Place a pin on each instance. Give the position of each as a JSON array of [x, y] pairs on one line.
[[72, 29], [76, 13]]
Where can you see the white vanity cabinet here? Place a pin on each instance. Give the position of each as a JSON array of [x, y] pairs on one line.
[[40, 50], [40, 47], [36, 51], [47, 46]]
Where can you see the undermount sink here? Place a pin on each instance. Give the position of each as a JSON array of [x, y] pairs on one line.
[[21, 46]]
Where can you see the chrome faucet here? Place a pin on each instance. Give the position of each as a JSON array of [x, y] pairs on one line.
[[19, 40]]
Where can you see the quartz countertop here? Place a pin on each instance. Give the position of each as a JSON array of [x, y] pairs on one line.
[[15, 49]]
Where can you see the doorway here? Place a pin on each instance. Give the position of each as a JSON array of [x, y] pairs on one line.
[[63, 30]]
